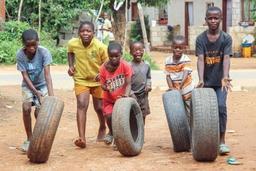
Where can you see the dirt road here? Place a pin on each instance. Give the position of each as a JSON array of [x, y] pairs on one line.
[[157, 153]]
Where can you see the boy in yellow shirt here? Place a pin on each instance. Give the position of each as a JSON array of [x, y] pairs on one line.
[[85, 55]]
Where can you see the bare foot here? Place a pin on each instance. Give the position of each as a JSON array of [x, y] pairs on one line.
[[101, 134], [80, 143]]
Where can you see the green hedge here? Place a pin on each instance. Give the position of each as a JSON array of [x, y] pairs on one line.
[[10, 43]]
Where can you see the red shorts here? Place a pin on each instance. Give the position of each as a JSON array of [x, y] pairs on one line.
[[107, 108]]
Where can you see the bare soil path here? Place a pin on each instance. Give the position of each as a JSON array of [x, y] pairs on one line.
[[157, 153]]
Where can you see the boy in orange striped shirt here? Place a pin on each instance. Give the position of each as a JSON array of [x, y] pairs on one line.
[[178, 73]]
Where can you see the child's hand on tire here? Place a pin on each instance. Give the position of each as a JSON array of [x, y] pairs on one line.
[[200, 84]]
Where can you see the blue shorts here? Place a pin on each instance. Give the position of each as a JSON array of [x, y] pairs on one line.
[[28, 96]]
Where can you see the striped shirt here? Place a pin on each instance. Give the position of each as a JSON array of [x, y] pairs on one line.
[[176, 72]]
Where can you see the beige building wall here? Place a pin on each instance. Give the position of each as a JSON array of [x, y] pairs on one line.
[[236, 12], [176, 15], [176, 12]]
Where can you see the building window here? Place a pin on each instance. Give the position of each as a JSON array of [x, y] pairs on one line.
[[248, 10]]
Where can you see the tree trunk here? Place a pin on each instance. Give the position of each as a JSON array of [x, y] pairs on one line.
[[20, 8], [143, 28], [101, 6], [126, 21], [119, 23], [39, 17]]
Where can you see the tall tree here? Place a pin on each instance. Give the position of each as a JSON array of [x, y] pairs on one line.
[[20, 8], [119, 23], [39, 16]]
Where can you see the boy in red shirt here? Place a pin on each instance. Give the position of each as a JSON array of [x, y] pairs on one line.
[[115, 79]]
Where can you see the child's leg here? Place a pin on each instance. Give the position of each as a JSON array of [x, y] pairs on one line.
[[36, 112], [27, 98], [97, 104], [109, 123], [82, 106], [188, 110], [107, 112], [26, 109], [109, 137], [222, 97], [143, 102]]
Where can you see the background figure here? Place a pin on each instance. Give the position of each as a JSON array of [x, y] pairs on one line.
[[99, 32], [106, 28]]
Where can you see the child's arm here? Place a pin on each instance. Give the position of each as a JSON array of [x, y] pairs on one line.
[[148, 86], [71, 59], [48, 80], [200, 70], [128, 87], [185, 76], [30, 85], [169, 82], [102, 78]]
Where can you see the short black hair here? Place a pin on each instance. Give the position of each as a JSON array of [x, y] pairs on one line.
[[29, 34], [86, 23], [114, 46], [178, 38], [213, 8], [136, 42]]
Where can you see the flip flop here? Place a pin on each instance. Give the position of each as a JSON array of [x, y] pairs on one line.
[[233, 161], [223, 149], [114, 146], [101, 139], [24, 147], [80, 143]]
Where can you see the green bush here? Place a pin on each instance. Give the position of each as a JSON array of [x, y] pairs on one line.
[[10, 43], [136, 31], [146, 57], [59, 54], [13, 30], [8, 51]]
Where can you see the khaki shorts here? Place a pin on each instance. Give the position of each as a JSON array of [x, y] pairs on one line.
[[94, 91], [28, 96]]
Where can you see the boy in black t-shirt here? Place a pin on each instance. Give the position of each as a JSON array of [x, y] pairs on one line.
[[214, 48]]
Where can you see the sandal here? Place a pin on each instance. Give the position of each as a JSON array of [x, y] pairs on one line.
[[233, 161], [114, 146], [24, 147], [108, 139], [80, 143], [223, 149]]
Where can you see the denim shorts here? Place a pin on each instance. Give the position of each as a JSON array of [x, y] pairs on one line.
[[28, 96]]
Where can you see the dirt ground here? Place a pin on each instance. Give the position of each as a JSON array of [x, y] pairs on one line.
[[157, 152]]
